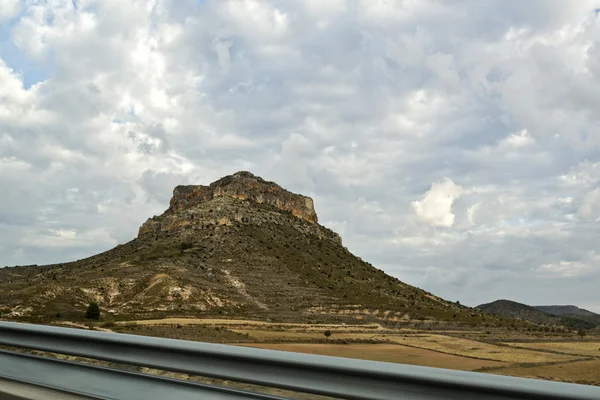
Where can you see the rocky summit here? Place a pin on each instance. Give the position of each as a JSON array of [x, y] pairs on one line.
[[239, 247], [186, 216]]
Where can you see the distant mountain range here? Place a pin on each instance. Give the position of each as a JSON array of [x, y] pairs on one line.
[[569, 316], [566, 310]]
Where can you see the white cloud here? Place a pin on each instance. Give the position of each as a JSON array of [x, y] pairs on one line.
[[584, 174], [442, 65], [355, 103], [472, 213], [563, 269], [590, 205], [9, 9], [326, 9], [68, 238], [435, 207], [292, 165], [517, 140]]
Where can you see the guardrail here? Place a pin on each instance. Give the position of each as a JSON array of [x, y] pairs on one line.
[[24, 376]]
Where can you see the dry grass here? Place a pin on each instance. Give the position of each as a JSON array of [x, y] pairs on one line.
[[386, 353], [243, 322], [472, 348], [546, 359], [288, 336], [184, 332], [194, 321], [295, 336], [69, 324], [586, 372], [574, 348]]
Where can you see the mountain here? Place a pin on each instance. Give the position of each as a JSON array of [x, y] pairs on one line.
[[239, 247], [566, 310], [568, 316], [573, 316], [512, 309]]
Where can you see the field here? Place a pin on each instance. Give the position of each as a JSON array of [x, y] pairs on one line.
[[582, 348], [480, 350], [386, 353], [562, 357], [583, 372], [559, 357]]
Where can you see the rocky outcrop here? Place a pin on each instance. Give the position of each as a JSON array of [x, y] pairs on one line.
[[226, 212], [244, 185], [241, 198]]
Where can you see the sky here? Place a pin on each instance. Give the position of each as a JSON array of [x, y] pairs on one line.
[[455, 145]]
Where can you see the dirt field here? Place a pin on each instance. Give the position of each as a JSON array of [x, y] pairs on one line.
[[386, 353], [472, 348], [197, 333], [582, 348], [195, 321], [254, 324], [262, 335], [584, 372], [545, 356]]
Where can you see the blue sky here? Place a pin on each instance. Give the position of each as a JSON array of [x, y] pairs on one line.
[[32, 71]]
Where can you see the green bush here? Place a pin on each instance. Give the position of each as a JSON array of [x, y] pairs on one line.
[[93, 311], [185, 245]]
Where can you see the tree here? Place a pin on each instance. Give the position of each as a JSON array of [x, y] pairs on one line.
[[581, 333], [327, 334], [93, 311]]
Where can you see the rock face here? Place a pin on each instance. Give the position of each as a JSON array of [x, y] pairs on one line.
[[244, 185], [227, 200]]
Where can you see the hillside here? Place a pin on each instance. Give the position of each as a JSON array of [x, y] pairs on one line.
[[566, 310], [241, 246], [573, 316], [568, 316], [512, 309]]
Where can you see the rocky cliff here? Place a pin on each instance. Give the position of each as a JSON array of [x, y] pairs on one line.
[[196, 207], [244, 185]]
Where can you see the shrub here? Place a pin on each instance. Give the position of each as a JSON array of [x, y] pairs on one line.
[[93, 311], [185, 246], [327, 333]]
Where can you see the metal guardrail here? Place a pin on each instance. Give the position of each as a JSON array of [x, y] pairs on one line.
[[322, 375]]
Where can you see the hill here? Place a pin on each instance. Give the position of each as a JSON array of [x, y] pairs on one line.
[[240, 247], [573, 316], [568, 316], [512, 309], [566, 310]]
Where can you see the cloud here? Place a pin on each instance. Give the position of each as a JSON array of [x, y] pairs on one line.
[[472, 213], [590, 205], [563, 269], [517, 140], [9, 9], [364, 105], [435, 207]]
